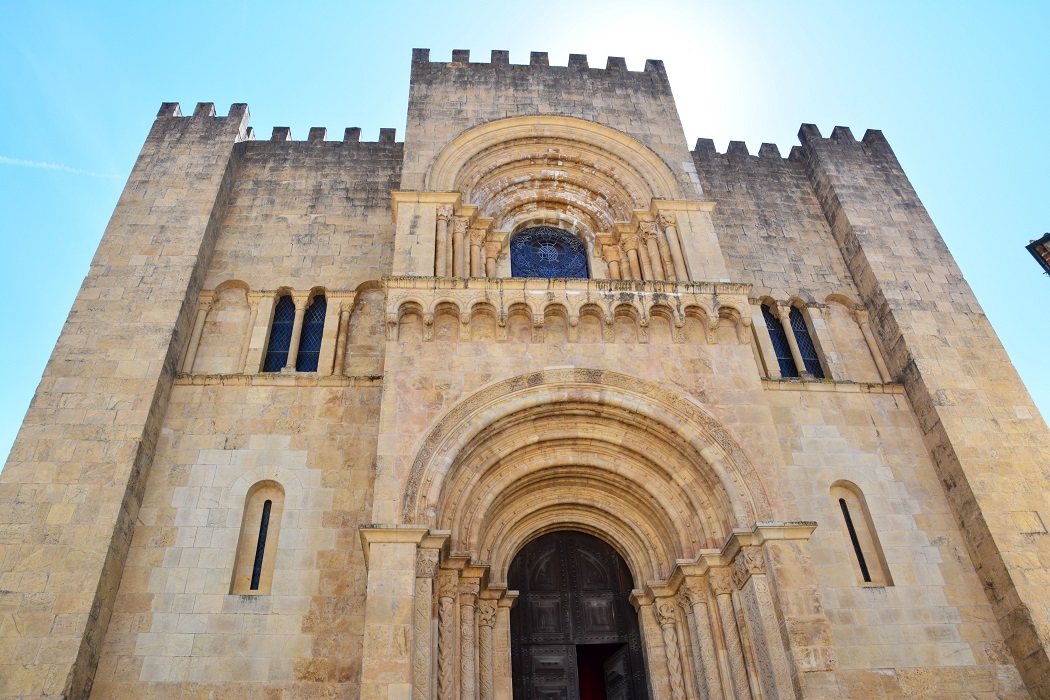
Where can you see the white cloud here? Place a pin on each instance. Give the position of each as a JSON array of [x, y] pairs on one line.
[[19, 162]]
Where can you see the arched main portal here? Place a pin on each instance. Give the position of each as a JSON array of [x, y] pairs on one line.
[[574, 633]]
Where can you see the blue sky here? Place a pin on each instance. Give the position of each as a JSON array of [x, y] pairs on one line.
[[960, 89]]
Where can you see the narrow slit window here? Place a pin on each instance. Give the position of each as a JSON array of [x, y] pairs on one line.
[[853, 538], [780, 343], [280, 335], [253, 568], [806, 347], [312, 333], [260, 548], [868, 560]]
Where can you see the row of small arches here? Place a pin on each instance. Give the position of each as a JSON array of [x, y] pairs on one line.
[[590, 323]]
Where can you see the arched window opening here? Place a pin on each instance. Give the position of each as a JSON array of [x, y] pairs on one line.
[[257, 546], [310, 340], [806, 347], [280, 335], [545, 251], [869, 562], [780, 343]]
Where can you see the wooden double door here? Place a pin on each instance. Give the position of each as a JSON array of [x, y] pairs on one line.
[[574, 632]]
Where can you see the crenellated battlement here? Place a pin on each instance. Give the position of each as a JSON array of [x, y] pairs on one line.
[[239, 111], [537, 59], [808, 133]]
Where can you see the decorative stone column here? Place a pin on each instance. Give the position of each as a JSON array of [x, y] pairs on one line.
[[342, 338], [784, 312], [441, 242], [503, 679], [651, 234], [203, 307], [643, 257], [861, 316], [297, 331], [722, 585], [459, 251], [611, 255], [486, 622], [477, 261], [448, 591], [492, 250], [667, 222], [771, 662], [630, 244], [253, 315], [665, 256], [426, 570], [668, 615], [468, 606], [706, 658]]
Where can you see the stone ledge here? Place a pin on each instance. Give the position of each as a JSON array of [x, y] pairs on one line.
[[826, 385], [268, 379]]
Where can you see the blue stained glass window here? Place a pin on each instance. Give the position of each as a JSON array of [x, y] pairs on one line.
[[780, 343], [805, 344], [310, 339], [280, 335], [545, 251]]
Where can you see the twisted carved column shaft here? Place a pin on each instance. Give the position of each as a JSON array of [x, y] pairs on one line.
[[668, 626], [447, 635], [721, 581], [706, 657]]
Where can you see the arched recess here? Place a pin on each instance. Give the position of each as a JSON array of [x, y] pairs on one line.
[[642, 466]]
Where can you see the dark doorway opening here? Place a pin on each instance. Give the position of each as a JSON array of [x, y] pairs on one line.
[[574, 632]]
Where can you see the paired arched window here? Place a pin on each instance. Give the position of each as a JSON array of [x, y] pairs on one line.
[[280, 335], [782, 346], [310, 338], [257, 546], [780, 343], [869, 562], [282, 331]]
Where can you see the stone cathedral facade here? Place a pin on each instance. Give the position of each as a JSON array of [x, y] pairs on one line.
[[537, 403]]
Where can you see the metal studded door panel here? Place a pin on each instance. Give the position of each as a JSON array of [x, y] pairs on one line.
[[573, 589]]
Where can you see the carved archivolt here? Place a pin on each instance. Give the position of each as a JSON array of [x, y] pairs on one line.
[[617, 456]]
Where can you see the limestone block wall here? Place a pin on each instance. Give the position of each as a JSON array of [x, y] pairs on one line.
[[933, 627], [769, 223], [446, 99], [176, 629], [309, 213], [988, 441], [70, 492]]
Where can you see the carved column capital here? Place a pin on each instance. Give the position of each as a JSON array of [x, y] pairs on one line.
[[721, 580], [448, 586], [469, 587], [492, 249], [611, 253], [647, 229], [666, 612], [630, 241], [666, 220], [426, 563], [487, 613], [747, 563], [444, 213], [477, 236], [696, 591], [459, 225], [784, 310]]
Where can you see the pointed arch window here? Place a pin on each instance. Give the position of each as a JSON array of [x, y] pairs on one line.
[[257, 546], [280, 335], [780, 343], [806, 348], [312, 333]]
